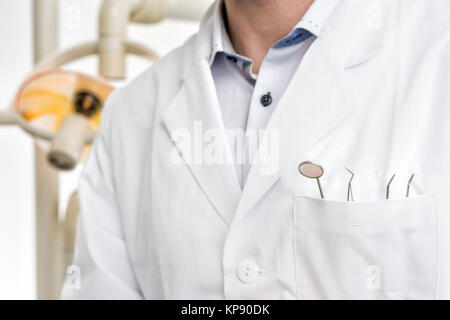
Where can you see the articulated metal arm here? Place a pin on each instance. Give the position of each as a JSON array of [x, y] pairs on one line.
[[8, 117], [115, 16]]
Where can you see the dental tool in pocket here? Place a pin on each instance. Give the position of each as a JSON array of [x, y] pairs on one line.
[[389, 186], [407, 188], [349, 189], [311, 170], [409, 185]]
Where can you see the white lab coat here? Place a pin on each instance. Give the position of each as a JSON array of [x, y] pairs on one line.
[[372, 94]]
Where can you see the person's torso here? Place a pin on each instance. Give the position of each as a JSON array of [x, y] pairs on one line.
[[378, 109]]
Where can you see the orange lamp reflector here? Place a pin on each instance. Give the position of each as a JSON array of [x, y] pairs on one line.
[[47, 97]]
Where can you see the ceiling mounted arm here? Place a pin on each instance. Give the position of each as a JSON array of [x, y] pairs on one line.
[[115, 16]]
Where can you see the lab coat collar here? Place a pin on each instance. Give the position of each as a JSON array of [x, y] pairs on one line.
[[197, 103], [196, 110], [302, 118]]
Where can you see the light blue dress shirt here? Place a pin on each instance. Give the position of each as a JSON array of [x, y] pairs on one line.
[[240, 91]]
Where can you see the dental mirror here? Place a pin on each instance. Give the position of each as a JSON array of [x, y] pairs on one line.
[[311, 170]]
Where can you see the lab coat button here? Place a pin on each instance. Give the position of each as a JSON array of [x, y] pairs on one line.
[[248, 271]]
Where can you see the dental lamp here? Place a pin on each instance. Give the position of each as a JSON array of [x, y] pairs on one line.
[[76, 127], [75, 98]]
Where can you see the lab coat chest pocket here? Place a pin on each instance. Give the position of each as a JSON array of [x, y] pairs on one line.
[[368, 250]]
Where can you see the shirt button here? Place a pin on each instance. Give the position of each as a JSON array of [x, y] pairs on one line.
[[266, 100], [248, 271]]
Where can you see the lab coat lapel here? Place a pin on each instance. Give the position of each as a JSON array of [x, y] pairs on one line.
[[317, 101], [196, 109]]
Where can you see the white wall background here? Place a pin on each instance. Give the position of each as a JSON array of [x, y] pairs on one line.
[[78, 23]]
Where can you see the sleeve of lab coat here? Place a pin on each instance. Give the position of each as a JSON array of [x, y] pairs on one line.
[[101, 267]]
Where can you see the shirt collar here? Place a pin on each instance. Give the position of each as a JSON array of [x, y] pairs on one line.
[[312, 23]]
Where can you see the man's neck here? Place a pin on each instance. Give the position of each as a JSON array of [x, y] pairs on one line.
[[256, 25]]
